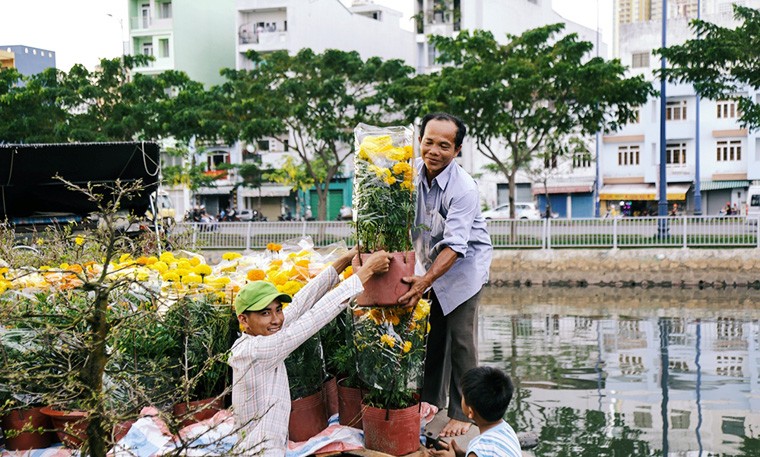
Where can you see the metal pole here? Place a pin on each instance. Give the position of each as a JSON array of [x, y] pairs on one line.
[[698, 179], [664, 325], [598, 187], [662, 206]]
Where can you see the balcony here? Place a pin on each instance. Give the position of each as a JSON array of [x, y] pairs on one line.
[[149, 24], [259, 39]]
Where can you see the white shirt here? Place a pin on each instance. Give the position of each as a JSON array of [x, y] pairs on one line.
[[260, 395]]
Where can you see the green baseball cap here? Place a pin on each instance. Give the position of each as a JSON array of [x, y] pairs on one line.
[[257, 295]]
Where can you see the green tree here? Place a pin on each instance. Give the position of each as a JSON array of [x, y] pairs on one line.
[[315, 101], [515, 96], [29, 112], [721, 62]]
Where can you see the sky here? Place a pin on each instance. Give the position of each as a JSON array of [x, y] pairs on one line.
[[83, 31]]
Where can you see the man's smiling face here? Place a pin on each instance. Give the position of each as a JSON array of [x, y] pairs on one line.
[[267, 321]]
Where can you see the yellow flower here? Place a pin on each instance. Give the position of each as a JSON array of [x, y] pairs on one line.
[[170, 276], [192, 278], [40, 241], [79, 241], [407, 346], [160, 266], [231, 255], [348, 272], [124, 258], [388, 340], [202, 269], [151, 260], [408, 151], [290, 287], [274, 247], [401, 168], [396, 154], [407, 185], [256, 274], [390, 180], [182, 271], [195, 261], [166, 257]]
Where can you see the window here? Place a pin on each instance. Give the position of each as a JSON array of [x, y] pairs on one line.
[[729, 151], [550, 161], [263, 145], [163, 47], [147, 49], [636, 116], [675, 111], [640, 59], [726, 109], [432, 55], [285, 145], [582, 159], [628, 155], [217, 158], [165, 10], [675, 154]]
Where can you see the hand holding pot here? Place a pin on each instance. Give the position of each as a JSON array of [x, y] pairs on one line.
[[378, 262]]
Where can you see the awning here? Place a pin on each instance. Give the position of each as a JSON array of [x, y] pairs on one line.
[[642, 192], [563, 188], [628, 192], [218, 190], [706, 186], [266, 191]]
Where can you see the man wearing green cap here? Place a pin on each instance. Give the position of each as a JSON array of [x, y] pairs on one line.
[[260, 395]]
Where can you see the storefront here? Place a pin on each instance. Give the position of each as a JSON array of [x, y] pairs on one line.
[[567, 200], [639, 199]]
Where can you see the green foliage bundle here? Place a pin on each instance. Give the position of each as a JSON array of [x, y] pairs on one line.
[[306, 368]]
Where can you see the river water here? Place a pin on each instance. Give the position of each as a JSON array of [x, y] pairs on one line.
[[628, 372]]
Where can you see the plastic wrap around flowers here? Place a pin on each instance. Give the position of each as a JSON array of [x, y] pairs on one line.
[[390, 345], [384, 187]]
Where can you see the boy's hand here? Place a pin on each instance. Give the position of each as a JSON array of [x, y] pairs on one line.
[[451, 449], [378, 262]]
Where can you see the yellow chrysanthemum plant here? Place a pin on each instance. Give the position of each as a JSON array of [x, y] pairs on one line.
[[384, 202], [390, 352]]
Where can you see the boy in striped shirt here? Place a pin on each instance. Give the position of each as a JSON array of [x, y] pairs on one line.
[[486, 393]]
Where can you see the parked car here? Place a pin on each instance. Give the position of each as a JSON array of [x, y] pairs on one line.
[[523, 211], [251, 215]]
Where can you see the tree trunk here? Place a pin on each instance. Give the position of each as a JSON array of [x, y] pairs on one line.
[[92, 377]]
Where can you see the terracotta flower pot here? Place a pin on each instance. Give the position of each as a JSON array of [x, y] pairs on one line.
[[196, 411], [70, 426], [307, 417], [16, 420], [385, 289], [393, 431], [330, 392], [350, 405]]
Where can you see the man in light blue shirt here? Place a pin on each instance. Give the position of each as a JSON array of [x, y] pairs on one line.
[[453, 251]]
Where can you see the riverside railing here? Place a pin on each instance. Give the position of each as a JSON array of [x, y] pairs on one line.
[[612, 233]]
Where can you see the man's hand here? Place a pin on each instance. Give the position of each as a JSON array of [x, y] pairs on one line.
[[451, 449], [345, 260], [378, 262], [419, 285]]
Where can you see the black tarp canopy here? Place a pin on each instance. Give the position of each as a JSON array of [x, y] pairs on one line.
[[28, 186]]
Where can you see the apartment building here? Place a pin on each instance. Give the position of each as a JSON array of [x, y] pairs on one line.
[[570, 187], [729, 156], [270, 25], [28, 60]]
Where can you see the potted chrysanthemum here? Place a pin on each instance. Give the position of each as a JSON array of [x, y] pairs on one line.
[[384, 200]]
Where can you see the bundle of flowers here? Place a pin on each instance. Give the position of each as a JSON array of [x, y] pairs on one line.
[[390, 343], [384, 196]]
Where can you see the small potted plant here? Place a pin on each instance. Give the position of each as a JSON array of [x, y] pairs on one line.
[[384, 200], [390, 346], [306, 373]]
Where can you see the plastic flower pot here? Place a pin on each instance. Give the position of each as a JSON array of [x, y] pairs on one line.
[[393, 431], [350, 405], [385, 289], [70, 426], [16, 420], [198, 410], [307, 417], [330, 393]]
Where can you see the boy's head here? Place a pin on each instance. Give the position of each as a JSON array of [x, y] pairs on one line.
[[259, 308], [487, 391]]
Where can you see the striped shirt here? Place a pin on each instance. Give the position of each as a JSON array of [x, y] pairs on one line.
[[499, 441], [260, 395]]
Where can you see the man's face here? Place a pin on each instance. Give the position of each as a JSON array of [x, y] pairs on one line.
[[437, 146], [266, 322]]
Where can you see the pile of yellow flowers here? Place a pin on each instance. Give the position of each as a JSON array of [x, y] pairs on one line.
[[389, 163], [181, 274]]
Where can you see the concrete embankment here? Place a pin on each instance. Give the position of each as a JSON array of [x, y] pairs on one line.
[[716, 268]]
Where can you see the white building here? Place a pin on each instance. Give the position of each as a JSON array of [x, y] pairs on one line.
[[571, 188], [270, 25], [729, 156]]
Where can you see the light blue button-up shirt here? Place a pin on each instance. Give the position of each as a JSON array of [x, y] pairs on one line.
[[448, 215]]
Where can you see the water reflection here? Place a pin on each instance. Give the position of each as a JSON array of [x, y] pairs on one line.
[[619, 372]]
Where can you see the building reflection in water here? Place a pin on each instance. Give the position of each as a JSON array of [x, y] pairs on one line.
[[635, 372]]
